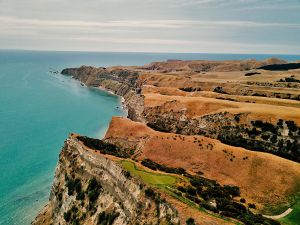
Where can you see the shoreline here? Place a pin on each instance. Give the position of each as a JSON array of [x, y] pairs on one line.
[[122, 102]]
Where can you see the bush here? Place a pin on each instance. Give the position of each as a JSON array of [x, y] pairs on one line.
[[180, 188], [150, 193], [191, 191], [71, 216], [265, 137], [252, 73], [190, 89], [209, 207], [289, 79], [105, 148], [80, 195], [93, 195], [106, 218], [234, 191], [155, 166], [73, 185], [292, 126], [190, 221], [126, 174], [265, 126], [242, 200], [93, 189], [67, 216], [219, 90], [251, 206]]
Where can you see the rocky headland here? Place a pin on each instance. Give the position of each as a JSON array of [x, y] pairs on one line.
[[205, 142]]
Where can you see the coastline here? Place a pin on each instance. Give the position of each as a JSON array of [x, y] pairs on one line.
[[166, 113], [122, 102]]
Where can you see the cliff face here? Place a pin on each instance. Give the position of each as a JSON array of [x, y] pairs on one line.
[[90, 188], [281, 138], [119, 81]]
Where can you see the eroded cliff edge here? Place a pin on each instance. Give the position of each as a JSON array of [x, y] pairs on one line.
[[121, 82], [90, 188]]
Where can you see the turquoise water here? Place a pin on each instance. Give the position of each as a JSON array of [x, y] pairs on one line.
[[38, 110]]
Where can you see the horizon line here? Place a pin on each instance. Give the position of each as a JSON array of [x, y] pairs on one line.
[[99, 51]]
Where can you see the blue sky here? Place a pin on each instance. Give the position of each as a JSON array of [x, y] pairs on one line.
[[216, 26]]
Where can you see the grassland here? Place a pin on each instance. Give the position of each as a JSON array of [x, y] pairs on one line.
[[149, 177], [294, 217], [165, 182]]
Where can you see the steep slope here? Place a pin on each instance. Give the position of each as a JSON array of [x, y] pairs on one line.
[[89, 188], [121, 82]]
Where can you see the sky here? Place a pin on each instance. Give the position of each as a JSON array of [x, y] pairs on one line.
[[201, 26]]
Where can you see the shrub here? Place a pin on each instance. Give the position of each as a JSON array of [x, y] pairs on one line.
[[280, 123], [73, 185], [265, 137], [190, 221], [209, 207], [292, 126], [67, 216], [274, 138], [155, 166], [150, 193], [191, 191], [80, 195], [242, 200], [77, 185], [105, 148], [251, 206], [234, 191], [180, 188], [93, 189], [252, 73], [127, 174], [219, 90], [106, 218], [289, 79], [190, 89], [71, 216], [265, 126]]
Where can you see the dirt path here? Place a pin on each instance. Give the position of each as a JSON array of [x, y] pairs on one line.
[[285, 213]]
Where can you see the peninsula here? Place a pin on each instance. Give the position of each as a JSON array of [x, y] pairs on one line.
[[205, 142]]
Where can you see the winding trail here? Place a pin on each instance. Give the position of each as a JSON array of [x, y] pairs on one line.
[[285, 213]]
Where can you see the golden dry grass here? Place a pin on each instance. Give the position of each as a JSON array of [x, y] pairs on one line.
[[263, 178]]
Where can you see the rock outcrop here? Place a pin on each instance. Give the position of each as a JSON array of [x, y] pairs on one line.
[[118, 81], [90, 188], [281, 138]]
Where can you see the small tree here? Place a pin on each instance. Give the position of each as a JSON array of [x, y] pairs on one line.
[[190, 221]]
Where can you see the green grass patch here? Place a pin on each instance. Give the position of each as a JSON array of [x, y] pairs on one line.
[[294, 217], [149, 177]]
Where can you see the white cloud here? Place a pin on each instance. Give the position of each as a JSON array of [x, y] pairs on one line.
[[138, 25], [148, 24], [235, 3]]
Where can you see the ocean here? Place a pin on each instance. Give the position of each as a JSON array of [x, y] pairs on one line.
[[38, 110]]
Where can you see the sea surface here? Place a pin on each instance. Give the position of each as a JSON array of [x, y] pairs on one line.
[[38, 110]]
